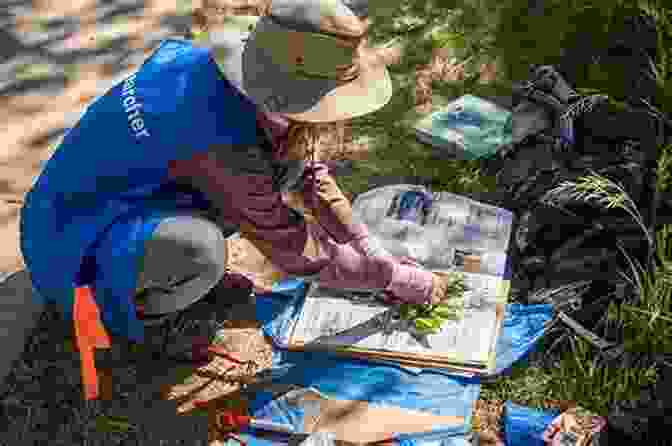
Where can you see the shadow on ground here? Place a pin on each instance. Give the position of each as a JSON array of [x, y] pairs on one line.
[[55, 58]]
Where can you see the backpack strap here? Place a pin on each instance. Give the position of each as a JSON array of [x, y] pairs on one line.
[[549, 89]]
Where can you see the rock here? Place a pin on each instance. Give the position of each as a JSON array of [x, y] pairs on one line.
[[20, 311]]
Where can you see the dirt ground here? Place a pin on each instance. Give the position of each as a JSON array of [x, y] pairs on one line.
[[58, 58]]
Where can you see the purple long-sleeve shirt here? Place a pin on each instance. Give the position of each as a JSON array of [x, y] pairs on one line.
[[253, 202], [241, 183]]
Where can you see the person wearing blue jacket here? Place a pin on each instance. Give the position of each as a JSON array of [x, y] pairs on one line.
[[200, 142]]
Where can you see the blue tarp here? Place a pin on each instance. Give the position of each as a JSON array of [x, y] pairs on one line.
[[430, 390]]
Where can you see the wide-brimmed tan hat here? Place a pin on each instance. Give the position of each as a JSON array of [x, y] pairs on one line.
[[305, 59]]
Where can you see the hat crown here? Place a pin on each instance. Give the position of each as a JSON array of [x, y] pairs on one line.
[[317, 16]]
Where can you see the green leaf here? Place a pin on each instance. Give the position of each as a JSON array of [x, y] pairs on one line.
[[413, 312], [437, 322], [426, 325], [68, 346], [446, 312], [423, 323], [183, 373], [40, 24], [200, 412], [111, 423], [105, 41]]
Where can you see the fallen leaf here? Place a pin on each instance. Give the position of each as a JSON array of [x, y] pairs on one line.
[[83, 99], [114, 424]]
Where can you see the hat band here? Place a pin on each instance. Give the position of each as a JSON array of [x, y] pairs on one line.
[[344, 74], [311, 55]]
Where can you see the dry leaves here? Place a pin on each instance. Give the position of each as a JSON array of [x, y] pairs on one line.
[[221, 377], [489, 72], [487, 417], [440, 68], [218, 381], [337, 143], [214, 12], [444, 68]]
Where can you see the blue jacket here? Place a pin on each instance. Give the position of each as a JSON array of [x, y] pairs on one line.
[[106, 187]]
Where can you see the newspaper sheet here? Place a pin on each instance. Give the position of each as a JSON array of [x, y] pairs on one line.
[[330, 319], [439, 230], [443, 232]]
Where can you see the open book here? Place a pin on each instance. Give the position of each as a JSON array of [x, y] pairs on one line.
[[442, 232]]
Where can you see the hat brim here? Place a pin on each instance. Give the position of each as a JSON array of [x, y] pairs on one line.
[[308, 100]]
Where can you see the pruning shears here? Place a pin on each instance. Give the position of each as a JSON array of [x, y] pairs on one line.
[[394, 322]]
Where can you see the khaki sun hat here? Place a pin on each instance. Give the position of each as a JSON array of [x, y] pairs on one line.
[[305, 59]]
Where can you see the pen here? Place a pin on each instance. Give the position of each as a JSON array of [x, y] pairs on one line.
[[271, 426]]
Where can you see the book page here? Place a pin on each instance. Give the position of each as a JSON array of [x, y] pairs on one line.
[[438, 230], [442, 232], [332, 318]]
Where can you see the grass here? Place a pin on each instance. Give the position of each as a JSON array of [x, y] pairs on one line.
[[598, 190], [647, 321], [664, 172], [527, 385]]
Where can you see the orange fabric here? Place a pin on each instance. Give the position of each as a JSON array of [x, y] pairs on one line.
[[89, 334]]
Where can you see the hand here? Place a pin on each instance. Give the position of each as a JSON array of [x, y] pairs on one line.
[[390, 298]]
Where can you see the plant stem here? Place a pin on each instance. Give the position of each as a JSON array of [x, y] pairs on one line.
[[649, 313]]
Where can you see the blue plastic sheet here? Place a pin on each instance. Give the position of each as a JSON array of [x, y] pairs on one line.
[[431, 390], [524, 426]]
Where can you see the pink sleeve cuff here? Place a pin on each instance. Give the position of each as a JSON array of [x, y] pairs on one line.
[[411, 284]]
